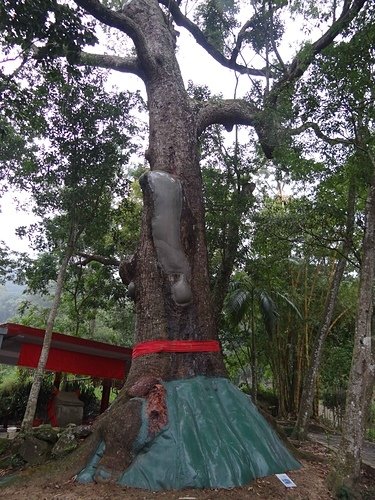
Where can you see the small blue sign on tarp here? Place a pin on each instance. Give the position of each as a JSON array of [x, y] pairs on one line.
[[285, 479]]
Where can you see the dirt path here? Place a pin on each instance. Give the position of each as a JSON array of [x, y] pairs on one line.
[[310, 481], [332, 442]]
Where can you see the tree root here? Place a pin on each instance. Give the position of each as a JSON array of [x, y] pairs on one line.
[[133, 423]]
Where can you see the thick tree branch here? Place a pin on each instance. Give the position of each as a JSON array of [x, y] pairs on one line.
[[106, 261], [130, 21], [273, 43], [240, 39], [126, 266], [110, 17], [116, 63], [120, 21], [306, 56], [227, 112], [242, 35], [333, 141], [200, 38]]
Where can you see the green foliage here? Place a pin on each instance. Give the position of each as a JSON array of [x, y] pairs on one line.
[[216, 19], [85, 138], [336, 364], [88, 142], [313, 10], [7, 373], [228, 174], [13, 147], [344, 75], [41, 272], [125, 227], [240, 302], [4, 261], [94, 302], [31, 314], [337, 355], [265, 28], [15, 386], [78, 171], [295, 244], [28, 21], [94, 305], [14, 393]]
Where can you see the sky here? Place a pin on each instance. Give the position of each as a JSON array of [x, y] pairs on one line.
[[11, 218]]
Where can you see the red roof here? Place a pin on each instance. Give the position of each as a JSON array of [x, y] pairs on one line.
[[21, 345]]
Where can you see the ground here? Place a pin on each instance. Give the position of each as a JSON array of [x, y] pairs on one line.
[[310, 481]]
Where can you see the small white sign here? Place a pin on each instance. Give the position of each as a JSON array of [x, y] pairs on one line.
[[285, 479]]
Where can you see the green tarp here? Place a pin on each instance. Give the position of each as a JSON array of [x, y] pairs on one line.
[[215, 438]]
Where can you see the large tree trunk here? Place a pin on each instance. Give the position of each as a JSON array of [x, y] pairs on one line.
[[361, 379], [173, 152], [307, 397], [172, 298]]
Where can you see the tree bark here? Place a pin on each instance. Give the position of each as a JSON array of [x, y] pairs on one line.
[[361, 378], [307, 397], [29, 415], [172, 155]]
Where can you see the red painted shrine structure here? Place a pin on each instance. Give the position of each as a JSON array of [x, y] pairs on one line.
[[21, 346]]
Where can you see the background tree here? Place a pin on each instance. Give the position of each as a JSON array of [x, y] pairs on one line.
[[74, 175], [348, 101], [307, 396], [228, 191]]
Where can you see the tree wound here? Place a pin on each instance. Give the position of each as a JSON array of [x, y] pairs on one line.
[[167, 205], [156, 410]]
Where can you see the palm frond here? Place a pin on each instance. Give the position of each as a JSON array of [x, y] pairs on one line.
[[269, 312], [237, 304], [290, 303]]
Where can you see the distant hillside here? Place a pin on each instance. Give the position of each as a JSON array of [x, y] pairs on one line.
[[11, 295]]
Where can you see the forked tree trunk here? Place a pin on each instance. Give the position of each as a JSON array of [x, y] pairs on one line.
[[172, 294], [172, 155], [307, 397], [361, 378]]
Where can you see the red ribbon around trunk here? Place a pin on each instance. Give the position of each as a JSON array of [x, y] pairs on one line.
[[155, 346]]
